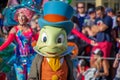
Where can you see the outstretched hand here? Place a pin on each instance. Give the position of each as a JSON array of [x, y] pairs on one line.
[[93, 43]]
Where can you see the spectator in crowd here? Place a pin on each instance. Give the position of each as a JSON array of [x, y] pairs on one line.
[[90, 20], [104, 23], [116, 34], [104, 19], [34, 23], [102, 34], [81, 15], [118, 12], [81, 68], [95, 32], [116, 64], [90, 31], [35, 27], [102, 65], [110, 12], [75, 20]]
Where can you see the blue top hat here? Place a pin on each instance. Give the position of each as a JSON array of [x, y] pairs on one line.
[[57, 14]]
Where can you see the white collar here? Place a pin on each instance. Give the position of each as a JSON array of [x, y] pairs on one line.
[[82, 15], [61, 60]]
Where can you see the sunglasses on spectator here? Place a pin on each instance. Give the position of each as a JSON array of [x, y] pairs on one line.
[[80, 7]]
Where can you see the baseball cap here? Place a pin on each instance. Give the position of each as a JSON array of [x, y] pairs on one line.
[[91, 10], [82, 62], [109, 10], [98, 52]]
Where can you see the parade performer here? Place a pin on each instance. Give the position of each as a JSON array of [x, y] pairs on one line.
[[23, 35], [53, 60]]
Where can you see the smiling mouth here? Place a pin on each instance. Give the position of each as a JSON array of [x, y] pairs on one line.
[[51, 53]]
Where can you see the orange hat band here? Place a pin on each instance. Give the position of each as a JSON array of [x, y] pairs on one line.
[[54, 18]]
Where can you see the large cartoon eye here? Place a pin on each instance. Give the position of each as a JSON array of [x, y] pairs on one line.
[[60, 39], [44, 37]]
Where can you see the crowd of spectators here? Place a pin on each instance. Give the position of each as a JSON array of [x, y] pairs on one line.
[[101, 25]]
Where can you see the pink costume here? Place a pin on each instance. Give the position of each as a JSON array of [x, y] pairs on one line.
[[24, 51]]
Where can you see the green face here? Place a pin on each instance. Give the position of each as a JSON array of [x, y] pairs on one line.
[[52, 41]]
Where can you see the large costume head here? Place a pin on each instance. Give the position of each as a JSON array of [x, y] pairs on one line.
[[55, 26]]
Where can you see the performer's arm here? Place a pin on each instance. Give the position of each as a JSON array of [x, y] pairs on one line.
[[81, 36], [10, 38]]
